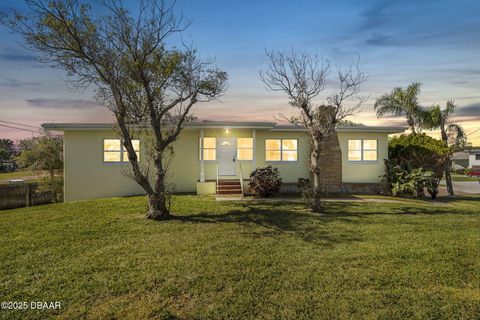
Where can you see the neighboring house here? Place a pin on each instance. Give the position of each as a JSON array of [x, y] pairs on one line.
[[474, 158], [96, 162], [7, 166], [460, 159]]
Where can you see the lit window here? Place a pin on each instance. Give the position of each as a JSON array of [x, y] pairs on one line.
[[354, 150], [369, 150], [245, 148], [114, 151], [209, 149], [362, 150], [281, 150]]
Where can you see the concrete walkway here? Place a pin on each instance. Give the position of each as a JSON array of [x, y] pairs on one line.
[[462, 187]]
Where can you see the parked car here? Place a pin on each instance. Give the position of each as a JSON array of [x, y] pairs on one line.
[[474, 173]]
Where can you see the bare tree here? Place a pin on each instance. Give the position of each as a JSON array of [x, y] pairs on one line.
[[303, 77], [149, 88]]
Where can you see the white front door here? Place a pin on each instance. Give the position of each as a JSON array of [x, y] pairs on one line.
[[226, 152]]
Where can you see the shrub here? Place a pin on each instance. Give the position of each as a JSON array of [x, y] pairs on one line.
[[427, 156], [306, 188], [265, 182], [405, 180]]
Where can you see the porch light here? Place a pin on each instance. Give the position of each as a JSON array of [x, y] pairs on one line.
[[227, 130]]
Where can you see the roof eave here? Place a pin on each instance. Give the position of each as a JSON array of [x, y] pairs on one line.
[[371, 129]]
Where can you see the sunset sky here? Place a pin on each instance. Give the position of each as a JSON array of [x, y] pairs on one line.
[[434, 42]]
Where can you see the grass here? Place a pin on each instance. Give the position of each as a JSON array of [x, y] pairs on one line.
[[26, 175], [243, 260], [462, 177]]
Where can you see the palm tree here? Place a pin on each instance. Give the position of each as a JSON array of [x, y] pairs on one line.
[[401, 102], [452, 134]]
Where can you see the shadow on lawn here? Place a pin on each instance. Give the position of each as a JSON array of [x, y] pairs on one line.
[[283, 219], [280, 218]]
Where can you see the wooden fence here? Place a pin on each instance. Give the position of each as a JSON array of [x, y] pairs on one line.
[[22, 195]]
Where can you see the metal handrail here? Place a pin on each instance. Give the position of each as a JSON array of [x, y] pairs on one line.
[[241, 176], [218, 170]]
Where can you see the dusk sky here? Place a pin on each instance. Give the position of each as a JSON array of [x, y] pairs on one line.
[[434, 42]]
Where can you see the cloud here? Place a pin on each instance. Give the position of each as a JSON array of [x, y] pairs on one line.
[[471, 111], [419, 23], [62, 103], [17, 57], [15, 83]]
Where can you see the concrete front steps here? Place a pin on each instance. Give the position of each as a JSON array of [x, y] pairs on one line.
[[229, 188]]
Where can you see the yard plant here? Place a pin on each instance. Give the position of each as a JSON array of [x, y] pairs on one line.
[[265, 182]]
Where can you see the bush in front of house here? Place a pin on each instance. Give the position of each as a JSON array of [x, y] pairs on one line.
[[265, 182], [407, 181], [305, 187], [424, 154]]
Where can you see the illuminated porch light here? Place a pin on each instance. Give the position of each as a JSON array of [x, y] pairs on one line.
[[227, 130]]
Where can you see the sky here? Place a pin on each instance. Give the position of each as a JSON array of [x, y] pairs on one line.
[[435, 42]]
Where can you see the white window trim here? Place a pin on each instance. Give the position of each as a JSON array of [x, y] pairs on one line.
[[281, 161], [361, 152], [122, 151], [252, 148], [201, 146]]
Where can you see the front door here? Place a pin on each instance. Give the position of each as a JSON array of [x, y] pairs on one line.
[[226, 156]]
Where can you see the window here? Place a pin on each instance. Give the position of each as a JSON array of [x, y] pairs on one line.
[[245, 149], [477, 156], [209, 149], [281, 150], [362, 150], [114, 151]]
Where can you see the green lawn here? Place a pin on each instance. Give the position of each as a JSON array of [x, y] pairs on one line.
[[462, 177], [231, 260], [26, 175]]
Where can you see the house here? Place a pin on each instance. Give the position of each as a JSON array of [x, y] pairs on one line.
[[206, 152], [474, 158], [460, 160]]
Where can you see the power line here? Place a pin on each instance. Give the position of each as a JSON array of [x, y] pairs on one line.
[[19, 124], [33, 131], [473, 132]]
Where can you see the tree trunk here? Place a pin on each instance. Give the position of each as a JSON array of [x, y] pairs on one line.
[[157, 209], [448, 178], [448, 168], [317, 205], [157, 202]]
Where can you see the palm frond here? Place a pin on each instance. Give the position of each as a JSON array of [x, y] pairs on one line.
[[388, 104], [457, 136]]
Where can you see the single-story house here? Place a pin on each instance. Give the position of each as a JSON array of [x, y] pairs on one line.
[[217, 157], [474, 158], [460, 159]]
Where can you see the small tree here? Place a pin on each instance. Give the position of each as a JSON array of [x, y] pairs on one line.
[[302, 77], [149, 88], [402, 102], [43, 153], [451, 133], [7, 151]]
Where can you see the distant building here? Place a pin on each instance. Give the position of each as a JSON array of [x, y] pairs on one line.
[[460, 159], [7, 166], [474, 158]]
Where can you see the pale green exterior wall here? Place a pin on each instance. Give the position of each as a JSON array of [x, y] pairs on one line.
[[87, 176], [363, 171]]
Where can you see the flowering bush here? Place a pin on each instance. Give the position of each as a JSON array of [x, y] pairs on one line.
[[265, 182]]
